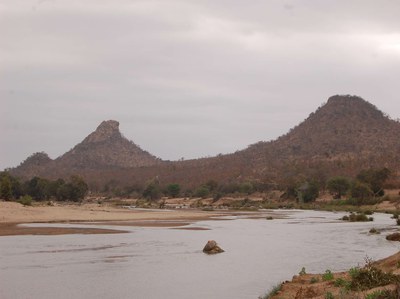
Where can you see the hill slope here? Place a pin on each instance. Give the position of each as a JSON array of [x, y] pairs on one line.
[[343, 136], [105, 148]]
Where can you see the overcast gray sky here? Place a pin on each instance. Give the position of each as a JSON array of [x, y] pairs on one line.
[[186, 78]]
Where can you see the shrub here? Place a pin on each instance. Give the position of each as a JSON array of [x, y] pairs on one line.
[[314, 280], [25, 200], [272, 292], [371, 277], [328, 275], [303, 271]]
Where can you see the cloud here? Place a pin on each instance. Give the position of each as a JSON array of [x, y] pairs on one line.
[[186, 78]]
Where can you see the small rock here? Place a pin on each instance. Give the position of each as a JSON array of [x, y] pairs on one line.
[[212, 248]]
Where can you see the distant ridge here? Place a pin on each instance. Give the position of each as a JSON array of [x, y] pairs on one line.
[[341, 137]]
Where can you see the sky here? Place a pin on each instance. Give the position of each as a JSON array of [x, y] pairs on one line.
[[186, 79]]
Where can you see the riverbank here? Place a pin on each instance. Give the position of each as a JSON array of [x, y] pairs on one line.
[[376, 280]]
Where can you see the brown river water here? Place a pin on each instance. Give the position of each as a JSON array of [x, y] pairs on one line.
[[153, 263]]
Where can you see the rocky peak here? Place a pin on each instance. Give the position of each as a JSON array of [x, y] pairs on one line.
[[106, 130], [39, 158], [341, 105]]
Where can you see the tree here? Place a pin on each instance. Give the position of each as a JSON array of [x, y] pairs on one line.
[[202, 192], [374, 178], [74, 190], [79, 188], [361, 192], [338, 186], [173, 190], [38, 188], [308, 191], [246, 187], [5, 188], [152, 190]]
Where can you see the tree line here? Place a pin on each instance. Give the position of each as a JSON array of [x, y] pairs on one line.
[[40, 189], [366, 186]]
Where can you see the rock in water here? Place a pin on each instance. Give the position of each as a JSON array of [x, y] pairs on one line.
[[212, 248]]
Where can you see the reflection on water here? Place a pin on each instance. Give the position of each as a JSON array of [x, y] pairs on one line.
[[169, 263]]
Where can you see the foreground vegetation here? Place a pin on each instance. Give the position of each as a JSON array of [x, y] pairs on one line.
[[373, 281]]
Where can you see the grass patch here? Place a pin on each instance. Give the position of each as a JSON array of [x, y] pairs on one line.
[[328, 275], [272, 292], [329, 295], [382, 294], [342, 283]]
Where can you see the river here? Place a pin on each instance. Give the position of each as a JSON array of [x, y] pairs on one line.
[[153, 263]]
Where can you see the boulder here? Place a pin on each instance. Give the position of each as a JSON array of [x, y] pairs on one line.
[[393, 237], [212, 248]]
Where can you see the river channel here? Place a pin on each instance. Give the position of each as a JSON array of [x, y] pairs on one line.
[[161, 262]]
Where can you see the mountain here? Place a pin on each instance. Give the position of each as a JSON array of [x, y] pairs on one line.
[[105, 148], [342, 137]]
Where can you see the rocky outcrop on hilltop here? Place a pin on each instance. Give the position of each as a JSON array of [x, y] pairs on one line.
[[107, 148]]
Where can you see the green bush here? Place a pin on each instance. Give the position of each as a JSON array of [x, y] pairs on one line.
[[328, 275], [25, 200], [371, 277], [314, 280]]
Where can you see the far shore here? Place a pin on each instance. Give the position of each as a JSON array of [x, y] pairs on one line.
[[13, 214]]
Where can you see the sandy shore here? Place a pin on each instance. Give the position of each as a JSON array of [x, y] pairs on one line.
[[12, 214]]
